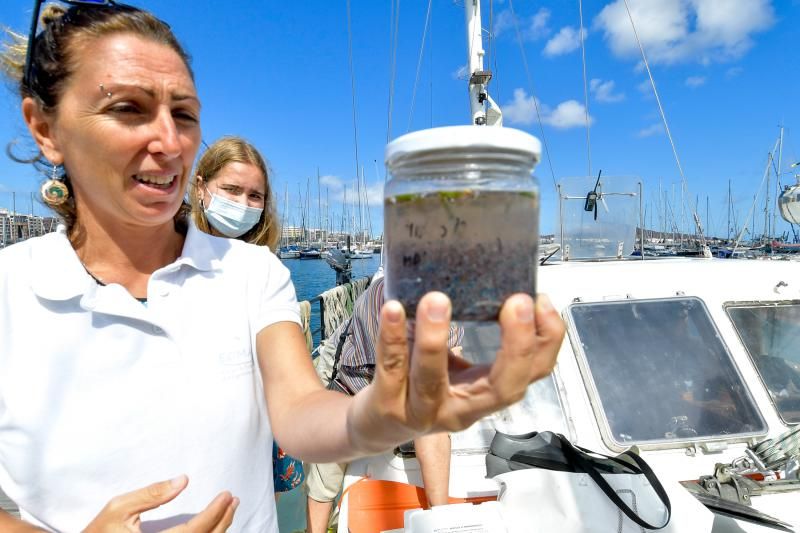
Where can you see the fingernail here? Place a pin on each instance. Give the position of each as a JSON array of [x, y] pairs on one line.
[[235, 502], [525, 310], [177, 482], [544, 303], [393, 311], [438, 309]]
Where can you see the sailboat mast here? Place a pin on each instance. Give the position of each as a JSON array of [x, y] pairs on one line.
[[766, 201], [360, 211], [308, 212], [367, 214], [483, 109], [319, 213], [777, 183], [302, 214], [284, 232], [345, 221], [729, 209], [328, 223]]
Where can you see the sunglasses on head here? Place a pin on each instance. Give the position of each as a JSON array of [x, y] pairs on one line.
[[35, 24]]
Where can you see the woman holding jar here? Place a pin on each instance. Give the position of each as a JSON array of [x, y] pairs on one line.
[[135, 348]]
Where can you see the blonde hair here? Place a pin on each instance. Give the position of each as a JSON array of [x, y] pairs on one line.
[[232, 149], [56, 50]]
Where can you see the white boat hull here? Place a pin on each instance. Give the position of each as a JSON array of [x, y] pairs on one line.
[[789, 204], [565, 403]]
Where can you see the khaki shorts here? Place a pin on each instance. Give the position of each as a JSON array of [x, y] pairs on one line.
[[324, 481]]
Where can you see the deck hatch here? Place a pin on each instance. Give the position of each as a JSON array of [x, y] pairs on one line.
[[660, 372], [771, 334]]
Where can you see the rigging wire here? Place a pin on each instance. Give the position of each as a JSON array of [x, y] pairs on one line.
[[530, 85], [777, 173], [469, 52], [585, 91], [753, 206], [395, 19], [661, 111], [491, 28], [352, 82], [493, 56], [430, 75], [419, 64]]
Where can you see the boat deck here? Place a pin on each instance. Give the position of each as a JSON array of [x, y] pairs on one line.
[[7, 505]]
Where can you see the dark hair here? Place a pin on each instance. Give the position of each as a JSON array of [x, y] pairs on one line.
[[53, 60]]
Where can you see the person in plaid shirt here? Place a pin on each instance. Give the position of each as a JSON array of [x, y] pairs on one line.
[[353, 368]]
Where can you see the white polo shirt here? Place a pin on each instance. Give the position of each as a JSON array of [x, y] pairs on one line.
[[101, 395]]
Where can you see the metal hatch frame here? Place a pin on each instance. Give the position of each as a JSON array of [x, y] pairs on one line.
[[597, 406], [764, 304]]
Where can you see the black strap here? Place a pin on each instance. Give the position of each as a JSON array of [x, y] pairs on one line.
[[585, 463], [339, 345]]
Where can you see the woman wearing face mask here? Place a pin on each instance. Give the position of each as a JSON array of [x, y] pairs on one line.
[[231, 197]]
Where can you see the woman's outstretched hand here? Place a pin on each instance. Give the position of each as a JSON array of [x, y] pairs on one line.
[[414, 393], [122, 514]]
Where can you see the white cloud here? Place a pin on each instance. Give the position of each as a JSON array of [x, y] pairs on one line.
[[569, 114], [565, 41], [334, 187], [531, 29], [374, 194], [331, 182], [653, 129], [461, 73], [503, 22], [733, 72], [522, 110], [646, 89], [682, 31], [603, 91], [695, 81], [537, 28]]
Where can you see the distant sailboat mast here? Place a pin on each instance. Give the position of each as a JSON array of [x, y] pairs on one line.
[[777, 186], [320, 232], [284, 229]]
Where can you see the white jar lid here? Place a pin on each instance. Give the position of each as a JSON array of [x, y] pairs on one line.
[[464, 137]]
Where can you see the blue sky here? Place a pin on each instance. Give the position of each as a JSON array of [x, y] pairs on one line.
[[277, 73]]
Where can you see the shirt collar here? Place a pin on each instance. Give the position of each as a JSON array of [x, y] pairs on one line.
[[58, 274], [202, 251]]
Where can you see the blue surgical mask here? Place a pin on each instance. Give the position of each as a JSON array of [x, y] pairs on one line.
[[230, 218]]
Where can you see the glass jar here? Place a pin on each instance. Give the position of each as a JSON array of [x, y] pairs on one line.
[[461, 216]]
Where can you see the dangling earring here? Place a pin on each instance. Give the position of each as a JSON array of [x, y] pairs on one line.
[[201, 196], [54, 190]]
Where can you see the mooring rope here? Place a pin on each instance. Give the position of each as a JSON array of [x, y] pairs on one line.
[[335, 303], [305, 323], [338, 303]]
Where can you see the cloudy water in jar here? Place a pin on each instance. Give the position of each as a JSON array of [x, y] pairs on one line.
[[476, 246]]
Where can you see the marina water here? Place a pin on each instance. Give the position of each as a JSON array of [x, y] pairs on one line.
[[311, 277]]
